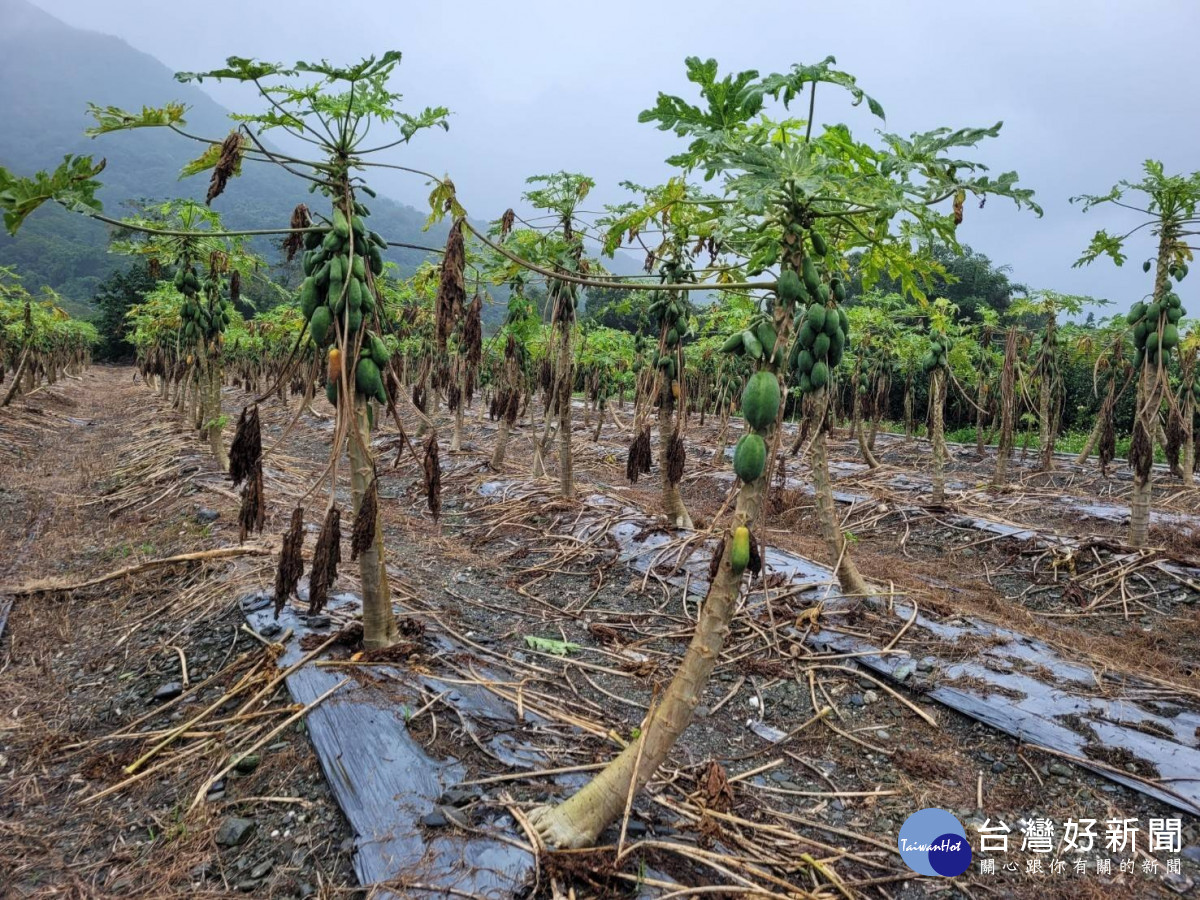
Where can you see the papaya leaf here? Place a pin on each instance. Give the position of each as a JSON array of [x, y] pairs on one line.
[[549, 645], [73, 184], [113, 118]]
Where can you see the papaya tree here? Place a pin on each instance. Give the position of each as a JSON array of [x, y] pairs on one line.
[[1166, 206], [796, 201], [208, 270], [332, 110], [1188, 399], [38, 339], [942, 339], [1045, 367], [1112, 372]]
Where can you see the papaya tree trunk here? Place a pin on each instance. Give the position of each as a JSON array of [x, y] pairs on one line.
[[1141, 460], [937, 439], [908, 408], [859, 429], [213, 418], [1189, 445], [497, 460], [566, 479], [379, 622], [1093, 436], [1045, 423], [1008, 383], [839, 551]]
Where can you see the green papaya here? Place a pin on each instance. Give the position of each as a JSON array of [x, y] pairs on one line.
[[331, 391], [765, 332], [815, 317], [318, 325], [331, 242], [312, 239], [354, 294], [376, 261], [820, 374], [752, 345], [359, 268], [805, 384], [833, 323], [355, 318], [818, 243], [366, 377], [811, 280], [844, 321], [1135, 312], [804, 362], [750, 457], [821, 346], [760, 400], [806, 335], [790, 289], [309, 297], [377, 349], [733, 344], [1170, 337], [340, 226]]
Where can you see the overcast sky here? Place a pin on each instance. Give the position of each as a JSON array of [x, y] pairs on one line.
[[1087, 89]]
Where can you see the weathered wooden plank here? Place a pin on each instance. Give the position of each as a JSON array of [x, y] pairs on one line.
[[6, 605]]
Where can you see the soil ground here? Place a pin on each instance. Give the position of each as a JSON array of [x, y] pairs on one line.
[[97, 474]]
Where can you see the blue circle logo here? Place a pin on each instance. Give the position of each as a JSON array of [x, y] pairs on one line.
[[933, 842]]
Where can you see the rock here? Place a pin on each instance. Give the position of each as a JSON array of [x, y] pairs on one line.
[[986, 757], [636, 828], [701, 712], [207, 516], [435, 819], [304, 890], [247, 764], [870, 697], [234, 831], [262, 870], [202, 871], [1191, 854], [347, 846], [1180, 884], [856, 700], [443, 816], [1060, 769], [168, 691], [882, 735], [318, 621], [248, 885], [270, 629], [998, 767], [457, 797]]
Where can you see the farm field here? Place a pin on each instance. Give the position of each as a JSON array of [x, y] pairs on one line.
[[719, 524], [510, 561]]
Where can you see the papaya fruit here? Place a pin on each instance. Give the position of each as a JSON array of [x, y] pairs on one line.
[[815, 318], [1170, 336], [309, 298], [377, 349], [821, 346], [818, 243], [331, 392], [833, 322], [366, 377], [811, 280], [760, 400], [340, 226], [765, 332], [750, 457], [733, 344], [752, 345], [739, 550], [1135, 312], [820, 374], [790, 289], [318, 325]]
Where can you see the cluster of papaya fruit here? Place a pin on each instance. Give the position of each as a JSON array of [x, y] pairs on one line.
[[200, 321], [1155, 328], [670, 312], [335, 282], [937, 356], [760, 407]]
